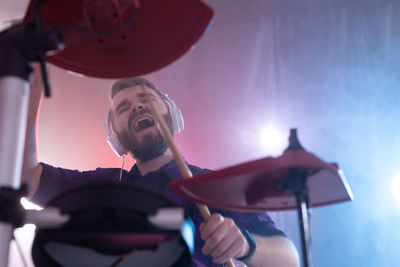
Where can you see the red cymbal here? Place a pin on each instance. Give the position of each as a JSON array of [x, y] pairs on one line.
[[122, 38], [258, 185]]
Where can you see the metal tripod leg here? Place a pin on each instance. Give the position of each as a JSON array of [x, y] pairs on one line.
[[302, 210], [296, 185], [14, 101]]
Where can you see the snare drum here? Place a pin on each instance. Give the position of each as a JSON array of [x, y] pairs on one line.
[[115, 225]]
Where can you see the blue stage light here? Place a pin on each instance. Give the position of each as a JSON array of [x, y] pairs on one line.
[[396, 188]]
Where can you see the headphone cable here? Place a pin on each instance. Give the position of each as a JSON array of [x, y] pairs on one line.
[[122, 168]]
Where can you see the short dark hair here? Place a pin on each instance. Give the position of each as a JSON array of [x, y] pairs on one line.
[[129, 82]]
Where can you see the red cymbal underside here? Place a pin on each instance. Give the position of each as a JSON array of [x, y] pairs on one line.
[[260, 185], [122, 38]]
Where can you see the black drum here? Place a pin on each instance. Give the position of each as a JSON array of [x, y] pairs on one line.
[[109, 225]]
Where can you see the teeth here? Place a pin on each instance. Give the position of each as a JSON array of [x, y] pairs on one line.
[[139, 121], [143, 123]]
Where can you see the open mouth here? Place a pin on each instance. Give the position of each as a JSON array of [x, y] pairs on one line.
[[143, 123]]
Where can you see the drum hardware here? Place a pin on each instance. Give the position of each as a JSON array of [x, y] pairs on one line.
[[115, 225], [295, 180], [65, 223], [14, 89], [20, 45], [12, 212], [14, 215], [117, 38]]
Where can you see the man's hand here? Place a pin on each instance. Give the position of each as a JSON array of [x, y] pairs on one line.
[[223, 239]]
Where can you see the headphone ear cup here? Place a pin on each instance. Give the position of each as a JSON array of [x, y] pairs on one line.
[[113, 140], [116, 145], [177, 119], [176, 114]]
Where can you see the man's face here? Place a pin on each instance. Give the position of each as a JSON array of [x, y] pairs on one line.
[[135, 124]]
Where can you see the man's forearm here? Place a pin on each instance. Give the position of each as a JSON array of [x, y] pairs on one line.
[[31, 169], [275, 251]]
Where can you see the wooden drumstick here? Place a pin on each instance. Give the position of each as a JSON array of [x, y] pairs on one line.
[[183, 167]]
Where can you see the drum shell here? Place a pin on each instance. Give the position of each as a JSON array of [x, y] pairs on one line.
[[111, 220]]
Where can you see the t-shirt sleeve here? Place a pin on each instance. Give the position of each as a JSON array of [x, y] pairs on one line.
[[55, 181]]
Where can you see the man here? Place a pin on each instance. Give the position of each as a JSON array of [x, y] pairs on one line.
[[132, 125]]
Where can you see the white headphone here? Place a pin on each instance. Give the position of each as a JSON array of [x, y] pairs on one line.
[[174, 111]]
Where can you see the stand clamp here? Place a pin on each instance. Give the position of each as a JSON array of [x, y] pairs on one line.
[[11, 210]]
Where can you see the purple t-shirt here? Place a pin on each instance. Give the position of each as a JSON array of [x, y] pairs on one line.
[[57, 180]]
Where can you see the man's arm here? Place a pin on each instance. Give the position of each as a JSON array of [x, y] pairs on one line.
[[224, 240], [31, 169], [274, 251]]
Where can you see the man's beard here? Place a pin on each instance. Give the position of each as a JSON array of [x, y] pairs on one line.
[[150, 147]]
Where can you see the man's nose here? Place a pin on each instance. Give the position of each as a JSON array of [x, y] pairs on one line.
[[138, 107]]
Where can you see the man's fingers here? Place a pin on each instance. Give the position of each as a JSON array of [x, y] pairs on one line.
[[224, 245], [233, 251], [215, 238], [223, 240], [201, 227], [212, 224]]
